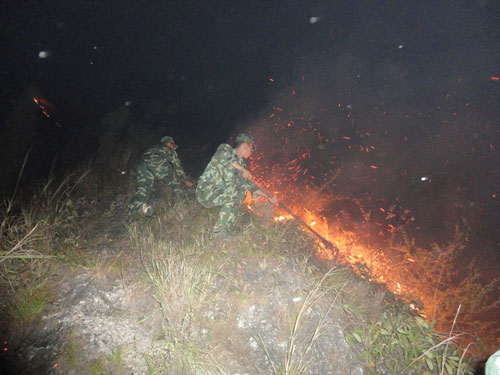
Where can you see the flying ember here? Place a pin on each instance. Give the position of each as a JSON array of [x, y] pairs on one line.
[[365, 233]]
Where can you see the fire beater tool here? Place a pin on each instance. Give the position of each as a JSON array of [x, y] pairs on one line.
[[325, 242]]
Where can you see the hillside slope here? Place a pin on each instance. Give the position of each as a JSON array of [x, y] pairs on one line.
[[159, 296]]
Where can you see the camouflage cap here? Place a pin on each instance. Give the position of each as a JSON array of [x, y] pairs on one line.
[[244, 138], [167, 138]]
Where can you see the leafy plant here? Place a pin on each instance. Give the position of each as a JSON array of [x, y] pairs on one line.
[[405, 344]]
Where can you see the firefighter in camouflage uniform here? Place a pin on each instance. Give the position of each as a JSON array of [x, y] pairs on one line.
[[158, 162], [225, 183]]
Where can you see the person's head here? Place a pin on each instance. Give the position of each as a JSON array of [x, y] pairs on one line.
[[244, 145], [168, 141]]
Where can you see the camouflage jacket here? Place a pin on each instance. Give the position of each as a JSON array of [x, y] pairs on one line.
[[163, 160], [219, 173]]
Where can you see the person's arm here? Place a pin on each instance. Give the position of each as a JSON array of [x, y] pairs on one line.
[[176, 164], [246, 174], [253, 186]]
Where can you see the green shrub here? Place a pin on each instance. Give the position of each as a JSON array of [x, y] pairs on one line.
[[406, 344]]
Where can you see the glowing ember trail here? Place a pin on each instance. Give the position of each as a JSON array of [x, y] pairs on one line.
[[44, 106]]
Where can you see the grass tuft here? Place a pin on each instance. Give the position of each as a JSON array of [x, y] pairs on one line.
[[300, 345], [26, 306]]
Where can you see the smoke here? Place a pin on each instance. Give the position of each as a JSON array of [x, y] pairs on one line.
[[410, 126]]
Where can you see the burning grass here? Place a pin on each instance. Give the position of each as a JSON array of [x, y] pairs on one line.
[[351, 201], [434, 283], [207, 296]]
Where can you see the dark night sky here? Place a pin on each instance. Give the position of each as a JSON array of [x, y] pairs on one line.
[[213, 60], [418, 76]]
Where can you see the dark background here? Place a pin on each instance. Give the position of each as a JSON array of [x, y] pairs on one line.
[[389, 91]]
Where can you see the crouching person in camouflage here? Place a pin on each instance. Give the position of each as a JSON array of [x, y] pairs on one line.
[[225, 183], [158, 162]]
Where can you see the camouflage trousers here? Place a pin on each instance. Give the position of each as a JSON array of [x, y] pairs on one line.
[[146, 177], [229, 201]]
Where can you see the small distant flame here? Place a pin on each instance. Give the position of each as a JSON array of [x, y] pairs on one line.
[[43, 104]]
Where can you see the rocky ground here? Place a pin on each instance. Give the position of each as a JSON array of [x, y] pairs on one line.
[[264, 314]]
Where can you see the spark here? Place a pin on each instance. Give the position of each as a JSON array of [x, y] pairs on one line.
[[354, 251], [43, 104]]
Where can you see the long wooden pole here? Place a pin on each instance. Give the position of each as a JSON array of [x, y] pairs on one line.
[[325, 242]]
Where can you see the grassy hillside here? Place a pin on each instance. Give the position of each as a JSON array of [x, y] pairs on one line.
[[85, 292]]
